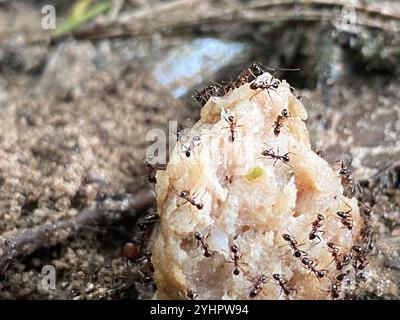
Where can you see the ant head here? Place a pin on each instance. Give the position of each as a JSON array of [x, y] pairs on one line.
[[263, 278], [356, 248], [199, 206], [285, 158], [287, 237], [285, 113], [320, 217], [197, 236], [321, 274], [275, 85], [231, 118], [256, 69], [234, 248], [152, 178], [276, 276], [184, 194]]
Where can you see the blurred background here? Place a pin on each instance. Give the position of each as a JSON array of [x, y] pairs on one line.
[[77, 101]]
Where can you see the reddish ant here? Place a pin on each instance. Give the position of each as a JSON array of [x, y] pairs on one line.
[[232, 124], [346, 218], [201, 241], [342, 275], [235, 260], [282, 282], [269, 153], [185, 194], [294, 245], [311, 265], [257, 286], [202, 96], [254, 70], [279, 122], [334, 250], [315, 228], [263, 85], [347, 180]]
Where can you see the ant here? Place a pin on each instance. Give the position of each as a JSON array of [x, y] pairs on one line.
[[279, 122], [147, 219], [346, 179], [311, 264], [235, 260], [344, 262], [131, 251], [334, 289], [360, 256], [342, 275], [269, 153], [151, 176], [202, 96], [185, 194], [254, 70], [334, 250], [282, 282], [192, 145], [232, 124], [191, 294], [263, 85], [294, 245], [257, 286], [315, 228], [346, 218], [201, 241]]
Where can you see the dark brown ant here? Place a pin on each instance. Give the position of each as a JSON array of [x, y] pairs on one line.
[[201, 240], [202, 96], [185, 194], [235, 260], [282, 282], [334, 289], [311, 265], [279, 122], [191, 294], [344, 262], [342, 275], [232, 124], [294, 245], [315, 228], [359, 256], [257, 286], [269, 153], [148, 219], [131, 251], [151, 176], [346, 218]]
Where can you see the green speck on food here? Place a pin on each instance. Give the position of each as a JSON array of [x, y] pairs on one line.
[[254, 173]]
